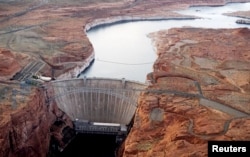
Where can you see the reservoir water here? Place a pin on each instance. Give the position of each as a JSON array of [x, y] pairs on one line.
[[124, 51]]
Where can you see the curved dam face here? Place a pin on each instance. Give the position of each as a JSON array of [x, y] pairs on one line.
[[101, 100]]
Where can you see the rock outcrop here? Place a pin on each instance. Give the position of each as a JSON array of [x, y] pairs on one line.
[[54, 32], [28, 123], [8, 64], [170, 124]]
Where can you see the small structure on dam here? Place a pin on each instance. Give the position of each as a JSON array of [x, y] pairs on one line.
[[98, 105]]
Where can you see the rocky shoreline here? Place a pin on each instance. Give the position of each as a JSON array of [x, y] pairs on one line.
[[78, 69], [54, 38], [117, 19], [120, 19]]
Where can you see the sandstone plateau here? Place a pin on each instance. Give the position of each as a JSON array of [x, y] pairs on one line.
[[182, 125], [54, 33]]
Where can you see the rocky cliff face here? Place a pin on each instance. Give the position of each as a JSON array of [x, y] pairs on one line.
[[53, 31], [177, 123], [29, 123], [8, 64]]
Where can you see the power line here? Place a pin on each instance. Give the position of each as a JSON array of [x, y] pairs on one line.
[[123, 62]]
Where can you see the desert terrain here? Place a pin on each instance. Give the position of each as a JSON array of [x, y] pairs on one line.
[[181, 125], [48, 38]]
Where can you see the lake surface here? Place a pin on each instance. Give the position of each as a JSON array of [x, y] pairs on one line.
[[124, 51]]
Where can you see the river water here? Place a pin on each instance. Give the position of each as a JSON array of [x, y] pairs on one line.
[[124, 51]]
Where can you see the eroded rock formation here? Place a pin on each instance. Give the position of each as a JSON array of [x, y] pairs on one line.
[[169, 124], [27, 122], [54, 32], [8, 64]]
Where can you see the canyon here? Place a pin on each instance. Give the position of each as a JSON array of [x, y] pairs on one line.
[[164, 125]]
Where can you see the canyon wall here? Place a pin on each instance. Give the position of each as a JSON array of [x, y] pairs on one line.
[[28, 124], [55, 33]]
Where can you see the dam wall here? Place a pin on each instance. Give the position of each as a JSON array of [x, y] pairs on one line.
[[98, 99]]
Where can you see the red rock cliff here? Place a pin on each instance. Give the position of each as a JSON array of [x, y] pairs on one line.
[[8, 64], [27, 124]]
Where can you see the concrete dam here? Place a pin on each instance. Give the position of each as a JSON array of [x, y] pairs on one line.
[[98, 105], [107, 106]]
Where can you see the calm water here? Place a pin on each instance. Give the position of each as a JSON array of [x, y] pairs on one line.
[[124, 50]]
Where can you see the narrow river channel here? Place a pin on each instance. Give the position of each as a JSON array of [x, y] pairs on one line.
[[123, 50]]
